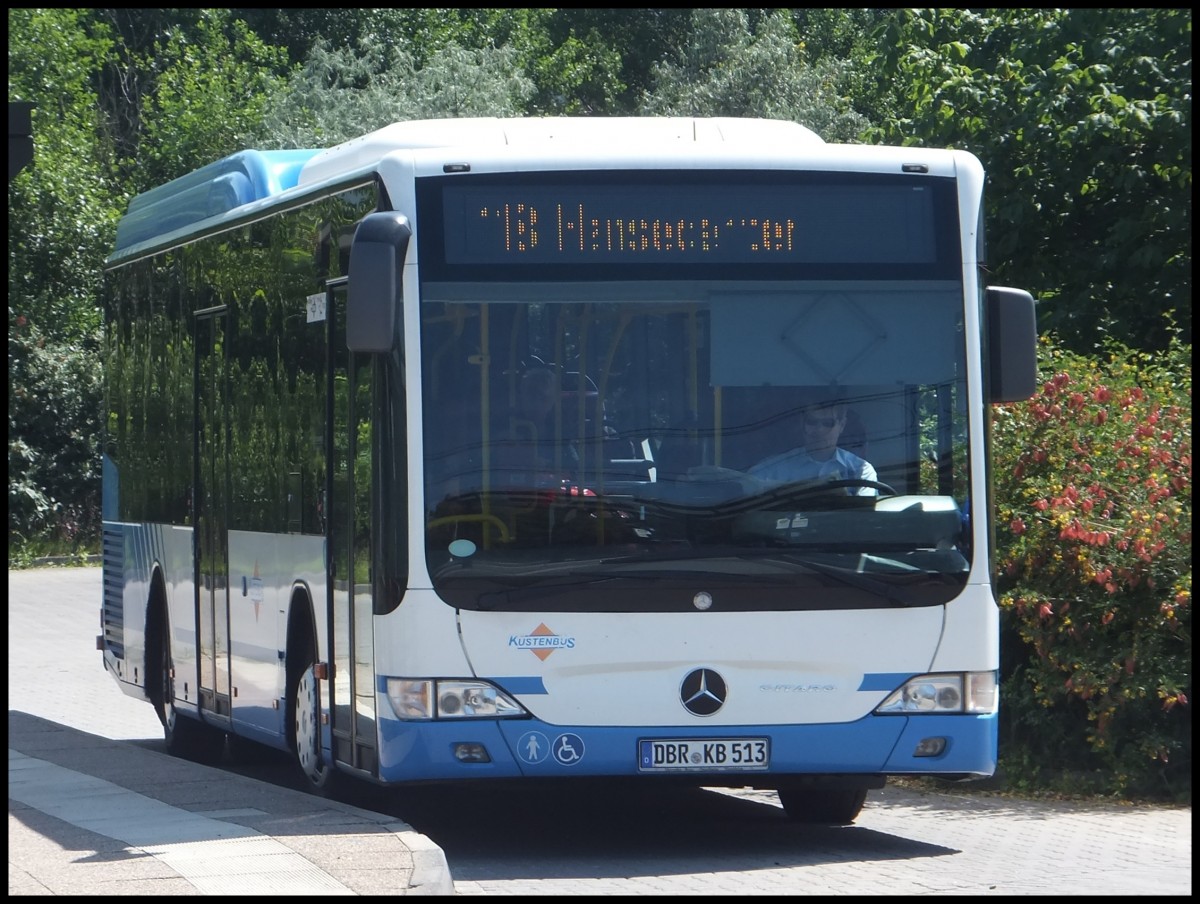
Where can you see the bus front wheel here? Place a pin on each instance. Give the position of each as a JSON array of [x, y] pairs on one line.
[[307, 731], [823, 806]]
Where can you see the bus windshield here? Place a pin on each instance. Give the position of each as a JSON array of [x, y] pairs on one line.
[[775, 436], [624, 397]]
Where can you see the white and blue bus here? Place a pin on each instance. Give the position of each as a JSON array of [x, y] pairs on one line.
[[333, 526]]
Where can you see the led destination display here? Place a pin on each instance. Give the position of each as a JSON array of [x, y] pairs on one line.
[[753, 223]]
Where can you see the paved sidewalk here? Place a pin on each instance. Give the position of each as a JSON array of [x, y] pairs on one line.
[[92, 816]]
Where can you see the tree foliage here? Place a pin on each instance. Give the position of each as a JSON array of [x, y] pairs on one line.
[[121, 103], [53, 425], [340, 93], [61, 209], [729, 69], [1082, 118], [573, 58], [213, 85], [61, 218], [622, 47]]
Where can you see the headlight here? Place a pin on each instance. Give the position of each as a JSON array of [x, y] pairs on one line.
[[429, 698], [956, 692]]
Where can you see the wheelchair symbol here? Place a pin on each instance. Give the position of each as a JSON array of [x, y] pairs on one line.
[[568, 749]]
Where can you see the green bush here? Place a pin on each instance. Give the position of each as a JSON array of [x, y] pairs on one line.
[[54, 400], [1093, 507]]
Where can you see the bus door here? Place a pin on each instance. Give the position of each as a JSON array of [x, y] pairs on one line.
[[212, 512], [351, 636]]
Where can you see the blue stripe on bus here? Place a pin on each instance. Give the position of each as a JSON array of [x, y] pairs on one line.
[[873, 745], [883, 681], [521, 684]]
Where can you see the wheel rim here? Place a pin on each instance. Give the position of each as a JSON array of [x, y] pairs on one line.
[[308, 743]]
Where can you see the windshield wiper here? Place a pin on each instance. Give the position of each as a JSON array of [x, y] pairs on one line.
[[891, 592], [896, 594]]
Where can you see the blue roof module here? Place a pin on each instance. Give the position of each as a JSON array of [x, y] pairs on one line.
[[211, 191]]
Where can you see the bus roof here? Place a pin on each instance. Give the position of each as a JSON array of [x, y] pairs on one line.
[[212, 194], [546, 133]]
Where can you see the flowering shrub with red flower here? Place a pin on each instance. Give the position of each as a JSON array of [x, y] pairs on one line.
[[1092, 483]]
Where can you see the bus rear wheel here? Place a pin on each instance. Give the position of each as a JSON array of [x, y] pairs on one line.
[[183, 737], [823, 806]]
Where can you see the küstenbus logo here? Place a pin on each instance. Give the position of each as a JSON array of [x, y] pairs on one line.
[[541, 642]]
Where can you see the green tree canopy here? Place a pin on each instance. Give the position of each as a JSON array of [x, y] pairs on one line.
[[728, 68], [212, 85], [1082, 118], [61, 209], [341, 93]]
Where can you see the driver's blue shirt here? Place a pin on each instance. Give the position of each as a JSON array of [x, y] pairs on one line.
[[797, 464]]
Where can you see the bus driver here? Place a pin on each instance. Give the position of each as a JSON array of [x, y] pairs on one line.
[[819, 456]]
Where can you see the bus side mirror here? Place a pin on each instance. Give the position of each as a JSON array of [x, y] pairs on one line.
[[1012, 345], [373, 294]]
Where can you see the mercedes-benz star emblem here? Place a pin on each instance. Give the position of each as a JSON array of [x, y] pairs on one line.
[[703, 692]]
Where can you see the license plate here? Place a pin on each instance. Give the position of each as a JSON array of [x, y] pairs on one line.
[[703, 754]]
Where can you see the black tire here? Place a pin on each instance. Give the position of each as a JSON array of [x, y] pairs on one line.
[[823, 806], [183, 736]]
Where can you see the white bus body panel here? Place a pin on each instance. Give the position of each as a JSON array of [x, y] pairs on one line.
[[265, 571], [140, 550], [622, 669]]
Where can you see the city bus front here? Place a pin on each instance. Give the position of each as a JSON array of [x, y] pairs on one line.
[[698, 454]]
